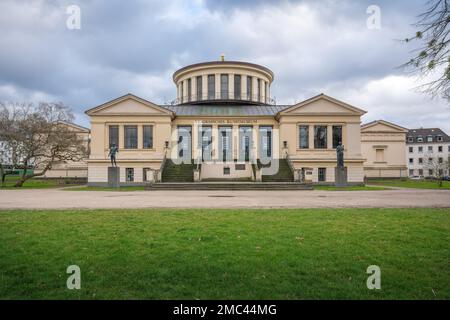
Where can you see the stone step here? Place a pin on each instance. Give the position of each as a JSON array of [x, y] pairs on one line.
[[228, 186]]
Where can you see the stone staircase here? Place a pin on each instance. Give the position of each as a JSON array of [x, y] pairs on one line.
[[178, 172], [284, 173]]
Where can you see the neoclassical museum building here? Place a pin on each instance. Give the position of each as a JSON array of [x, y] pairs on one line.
[[223, 126]]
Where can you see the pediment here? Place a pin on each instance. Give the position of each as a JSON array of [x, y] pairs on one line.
[[322, 104], [129, 105], [382, 126]]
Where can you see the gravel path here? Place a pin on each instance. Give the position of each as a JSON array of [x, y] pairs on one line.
[[63, 199]]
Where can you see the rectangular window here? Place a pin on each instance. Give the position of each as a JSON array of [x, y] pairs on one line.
[[189, 88], [259, 90], [337, 136], [147, 137], [237, 87], [322, 174], [430, 172], [430, 139], [441, 160], [182, 92], [411, 172], [113, 136], [267, 92], [249, 88], [145, 173], [420, 172], [223, 86], [411, 160], [304, 137], [420, 160], [379, 155], [411, 149], [211, 86], [130, 137], [440, 149], [430, 148], [448, 148], [320, 137], [420, 149], [199, 88], [129, 174]]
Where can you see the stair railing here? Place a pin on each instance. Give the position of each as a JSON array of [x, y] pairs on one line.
[[295, 172], [158, 173]]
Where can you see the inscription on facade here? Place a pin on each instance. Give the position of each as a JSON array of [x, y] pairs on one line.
[[228, 121]]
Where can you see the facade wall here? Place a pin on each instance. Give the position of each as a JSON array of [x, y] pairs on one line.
[[383, 147], [417, 169]]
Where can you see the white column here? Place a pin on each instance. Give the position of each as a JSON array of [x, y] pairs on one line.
[[231, 86], [217, 89], [243, 87], [204, 87]]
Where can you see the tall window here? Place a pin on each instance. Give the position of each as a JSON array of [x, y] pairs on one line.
[[199, 88], [223, 86], [322, 174], [249, 88], [182, 91], [211, 86], [337, 136], [320, 137], [189, 88], [145, 173], [304, 137], [411, 149], [129, 174], [237, 87], [130, 137], [147, 135], [113, 136], [259, 90], [266, 90]]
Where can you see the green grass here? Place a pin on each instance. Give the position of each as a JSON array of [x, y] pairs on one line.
[[87, 188], [225, 254], [408, 183], [349, 188], [34, 183]]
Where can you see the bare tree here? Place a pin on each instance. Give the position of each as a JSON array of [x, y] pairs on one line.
[[39, 136], [432, 58], [437, 168]]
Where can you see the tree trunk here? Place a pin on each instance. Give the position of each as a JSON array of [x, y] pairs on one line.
[[2, 175], [26, 177]]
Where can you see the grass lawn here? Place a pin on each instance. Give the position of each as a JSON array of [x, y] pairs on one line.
[[408, 183], [35, 183], [349, 188], [225, 254]]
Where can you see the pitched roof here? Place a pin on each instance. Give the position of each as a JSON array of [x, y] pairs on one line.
[[425, 132], [328, 98], [225, 110], [386, 123]]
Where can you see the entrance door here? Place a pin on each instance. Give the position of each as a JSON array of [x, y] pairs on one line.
[[184, 143], [225, 144], [245, 143], [265, 143], [205, 143]]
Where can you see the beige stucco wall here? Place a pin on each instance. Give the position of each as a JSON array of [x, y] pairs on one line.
[[391, 142], [285, 128], [225, 68]]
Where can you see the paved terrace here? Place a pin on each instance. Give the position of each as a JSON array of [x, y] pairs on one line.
[[63, 199]]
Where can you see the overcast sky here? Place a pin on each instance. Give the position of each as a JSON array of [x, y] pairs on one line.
[[135, 46]]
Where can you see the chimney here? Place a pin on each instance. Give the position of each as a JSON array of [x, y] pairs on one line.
[[222, 57]]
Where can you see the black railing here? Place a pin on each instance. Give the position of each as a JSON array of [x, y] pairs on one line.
[[224, 96]]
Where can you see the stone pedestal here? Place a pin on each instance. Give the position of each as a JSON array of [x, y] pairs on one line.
[[113, 177], [340, 176]]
